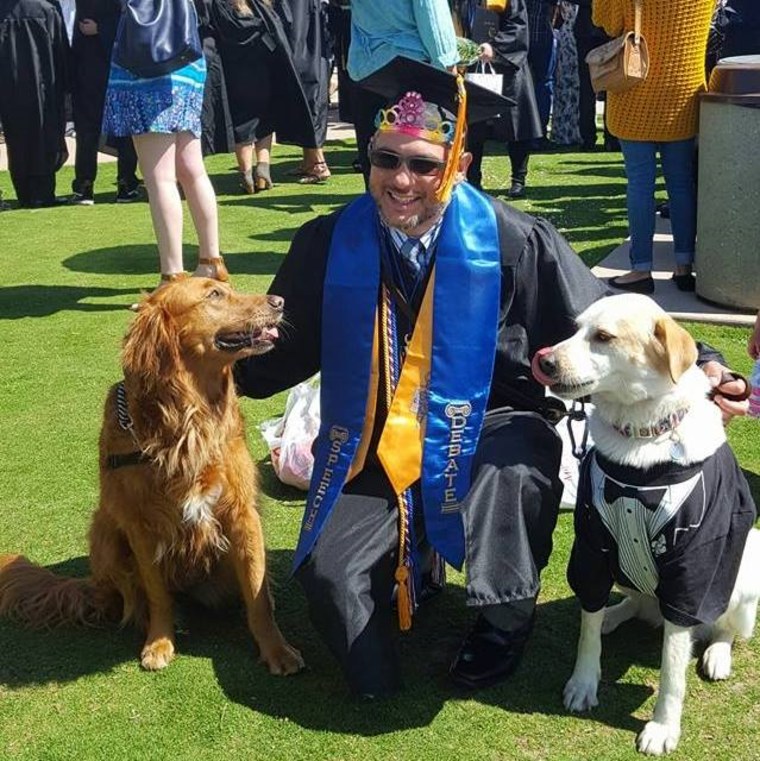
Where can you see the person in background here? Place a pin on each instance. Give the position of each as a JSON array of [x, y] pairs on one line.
[[587, 37], [163, 116], [739, 23], [34, 74], [305, 23], [94, 33], [216, 121], [263, 88], [565, 108], [542, 57], [520, 124], [418, 29], [660, 116]]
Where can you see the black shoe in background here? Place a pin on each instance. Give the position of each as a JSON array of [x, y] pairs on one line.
[[516, 190]]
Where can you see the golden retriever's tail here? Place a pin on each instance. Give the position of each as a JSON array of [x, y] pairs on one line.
[[38, 598]]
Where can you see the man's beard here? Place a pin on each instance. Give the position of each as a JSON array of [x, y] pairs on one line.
[[412, 223]]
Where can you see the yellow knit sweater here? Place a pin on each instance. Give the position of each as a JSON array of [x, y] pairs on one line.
[[665, 106]]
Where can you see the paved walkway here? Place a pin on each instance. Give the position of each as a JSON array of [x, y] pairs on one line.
[[683, 306]]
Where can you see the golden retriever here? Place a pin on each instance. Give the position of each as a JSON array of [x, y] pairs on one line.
[[663, 506], [178, 487]]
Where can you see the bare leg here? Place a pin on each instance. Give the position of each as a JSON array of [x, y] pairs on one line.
[[262, 175], [156, 155], [244, 156], [201, 200]]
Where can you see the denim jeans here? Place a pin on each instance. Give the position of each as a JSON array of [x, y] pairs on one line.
[[678, 166]]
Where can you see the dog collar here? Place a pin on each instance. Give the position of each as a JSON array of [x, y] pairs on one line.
[[669, 423]]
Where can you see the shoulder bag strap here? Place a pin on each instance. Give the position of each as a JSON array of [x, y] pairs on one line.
[[637, 22]]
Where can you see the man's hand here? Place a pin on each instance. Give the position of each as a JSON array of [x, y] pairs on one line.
[[485, 53], [88, 27], [723, 383]]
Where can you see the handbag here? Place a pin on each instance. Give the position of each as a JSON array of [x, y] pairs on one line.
[[622, 63], [485, 76], [157, 37]]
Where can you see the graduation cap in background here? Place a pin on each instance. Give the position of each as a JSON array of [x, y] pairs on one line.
[[433, 104]]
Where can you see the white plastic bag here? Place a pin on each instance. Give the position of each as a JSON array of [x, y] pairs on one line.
[[485, 76], [291, 436]]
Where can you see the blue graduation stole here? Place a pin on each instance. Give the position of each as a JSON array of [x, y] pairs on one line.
[[465, 309]]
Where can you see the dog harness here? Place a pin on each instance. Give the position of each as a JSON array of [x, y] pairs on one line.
[[673, 532], [114, 461]]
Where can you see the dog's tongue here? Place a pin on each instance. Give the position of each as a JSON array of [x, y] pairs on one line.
[[535, 368], [269, 334]]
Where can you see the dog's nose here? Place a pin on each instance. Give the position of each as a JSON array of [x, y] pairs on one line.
[[548, 364], [276, 302]]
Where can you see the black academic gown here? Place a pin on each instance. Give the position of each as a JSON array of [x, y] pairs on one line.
[[348, 577], [264, 89], [91, 59], [305, 25], [510, 46], [216, 120], [33, 82]]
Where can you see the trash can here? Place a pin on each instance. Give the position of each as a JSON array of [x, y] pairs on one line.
[[728, 197]]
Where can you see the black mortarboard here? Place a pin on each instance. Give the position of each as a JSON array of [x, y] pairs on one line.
[[402, 75]]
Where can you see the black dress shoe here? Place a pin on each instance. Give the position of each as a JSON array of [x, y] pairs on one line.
[[645, 285], [685, 282], [516, 190], [488, 654]]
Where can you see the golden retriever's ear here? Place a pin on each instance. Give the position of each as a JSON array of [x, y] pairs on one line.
[[151, 346], [678, 349]]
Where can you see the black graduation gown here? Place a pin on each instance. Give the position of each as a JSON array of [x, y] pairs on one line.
[[510, 46], [33, 82], [263, 87], [305, 25], [91, 58], [216, 121], [545, 285]]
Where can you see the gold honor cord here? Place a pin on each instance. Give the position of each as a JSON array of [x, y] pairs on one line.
[[443, 194], [400, 446]]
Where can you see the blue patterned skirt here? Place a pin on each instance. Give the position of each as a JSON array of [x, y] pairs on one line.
[[169, 103]]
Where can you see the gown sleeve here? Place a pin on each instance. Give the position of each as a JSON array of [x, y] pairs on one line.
[[299, 280]]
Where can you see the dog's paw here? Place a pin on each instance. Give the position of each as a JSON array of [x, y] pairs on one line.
[[283, 660], [580, 694], [657, 739], [157, 655], [716, 661]]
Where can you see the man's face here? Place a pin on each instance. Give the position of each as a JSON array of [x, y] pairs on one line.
[[407, 200]]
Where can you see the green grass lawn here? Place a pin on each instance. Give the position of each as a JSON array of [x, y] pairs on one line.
[[66, 278]]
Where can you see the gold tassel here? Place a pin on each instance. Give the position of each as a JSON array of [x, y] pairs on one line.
[[403, 599], [443, 194]]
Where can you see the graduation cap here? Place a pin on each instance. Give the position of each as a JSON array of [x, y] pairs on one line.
[[432, 104]]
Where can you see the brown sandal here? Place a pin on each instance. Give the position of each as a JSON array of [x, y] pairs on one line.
[[317, 175]]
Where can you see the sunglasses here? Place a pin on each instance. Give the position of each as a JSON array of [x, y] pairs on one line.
[[415, 164]]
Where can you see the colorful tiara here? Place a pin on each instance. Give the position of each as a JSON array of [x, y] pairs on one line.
[[414, 116]]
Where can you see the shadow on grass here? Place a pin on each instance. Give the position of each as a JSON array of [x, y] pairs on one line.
[[143, 260], [317, 698], [19, 301]]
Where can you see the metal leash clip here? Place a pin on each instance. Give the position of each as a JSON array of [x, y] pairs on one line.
[[577, 414]]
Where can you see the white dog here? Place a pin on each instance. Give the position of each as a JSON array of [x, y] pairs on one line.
[[663, 509]]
